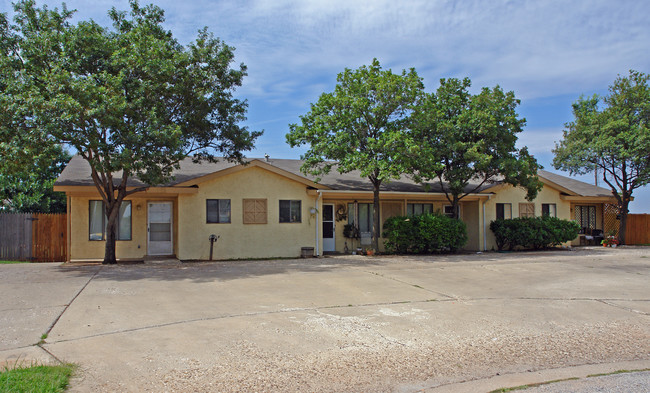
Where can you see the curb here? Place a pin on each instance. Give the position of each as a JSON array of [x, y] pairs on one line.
[[539, 376]]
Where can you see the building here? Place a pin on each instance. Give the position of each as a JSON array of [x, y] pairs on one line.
[[268, 208]]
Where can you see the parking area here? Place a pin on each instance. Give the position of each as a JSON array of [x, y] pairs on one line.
[[345, 323]]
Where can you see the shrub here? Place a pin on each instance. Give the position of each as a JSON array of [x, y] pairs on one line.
[[533, 232], [424, 233]]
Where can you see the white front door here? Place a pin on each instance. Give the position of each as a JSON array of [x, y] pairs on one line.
[[159, 227], [328, 228]]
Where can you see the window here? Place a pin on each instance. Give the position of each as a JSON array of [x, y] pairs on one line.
[[364, 218], [290, 211], [526, 210], [586, 217], [414, 209], [217, 211], [504, 211], [449, 212], [97, 221], [549, 210], [254, 211]]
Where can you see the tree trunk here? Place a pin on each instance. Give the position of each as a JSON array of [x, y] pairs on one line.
[[622, 229], [112, 211], [375, 214]]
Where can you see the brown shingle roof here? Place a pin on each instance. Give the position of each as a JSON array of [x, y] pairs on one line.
[[77, 173]]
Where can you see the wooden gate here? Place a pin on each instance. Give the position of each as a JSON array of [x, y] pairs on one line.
[[33, 237], [637, 229]]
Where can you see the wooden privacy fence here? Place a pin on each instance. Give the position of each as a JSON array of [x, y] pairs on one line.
[[637, 229], [33, 237]]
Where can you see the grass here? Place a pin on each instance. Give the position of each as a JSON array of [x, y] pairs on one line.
[[618, 372], [10, 262], [522, 387], [35, 378]]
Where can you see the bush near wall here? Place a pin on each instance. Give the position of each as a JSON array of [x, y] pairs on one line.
[[424, 233], [533, 232]]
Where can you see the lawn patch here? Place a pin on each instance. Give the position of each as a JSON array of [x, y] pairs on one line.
[[39, 379]]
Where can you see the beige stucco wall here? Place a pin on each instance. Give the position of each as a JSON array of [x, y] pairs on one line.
[[136, 248], [516, 195], [239, 240], [470, 214]]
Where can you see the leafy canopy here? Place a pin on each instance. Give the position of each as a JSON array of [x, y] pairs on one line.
[[467, 138], [611, 134], [360, 127], [29, 189], [131, 100]]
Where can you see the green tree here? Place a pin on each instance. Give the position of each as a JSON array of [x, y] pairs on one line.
[[28, 188], [360, 127], [613, 139], [131, 100], [467, 138]]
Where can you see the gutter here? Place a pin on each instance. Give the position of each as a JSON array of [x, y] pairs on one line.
[[396, 193]]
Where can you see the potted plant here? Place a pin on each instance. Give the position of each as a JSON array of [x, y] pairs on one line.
[[609, 241]]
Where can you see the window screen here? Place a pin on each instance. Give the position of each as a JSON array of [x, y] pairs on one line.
[[290, 211], [217, 211]]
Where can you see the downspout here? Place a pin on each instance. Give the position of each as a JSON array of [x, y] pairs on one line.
[[318, 192]]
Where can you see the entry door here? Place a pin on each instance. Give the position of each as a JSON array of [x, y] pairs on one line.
[[328, 228], [159, 227]]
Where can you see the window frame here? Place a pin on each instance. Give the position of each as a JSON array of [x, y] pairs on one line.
[[292, 202], [117, 226], [503, 206], [207, 220], [422, 205], [546, 211], [451, 215], [352, 220]]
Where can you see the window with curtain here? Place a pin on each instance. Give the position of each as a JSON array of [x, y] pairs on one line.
[[504, 211], [364, 216], [290, 211], [217, 211], [97, 221], [549, 210]]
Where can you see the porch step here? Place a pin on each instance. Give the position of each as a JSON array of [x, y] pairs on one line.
[[161, 260]]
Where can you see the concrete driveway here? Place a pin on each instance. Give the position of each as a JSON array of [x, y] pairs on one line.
[[435, 323]]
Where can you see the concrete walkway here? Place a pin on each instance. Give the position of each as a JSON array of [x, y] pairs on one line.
[[431, 323]]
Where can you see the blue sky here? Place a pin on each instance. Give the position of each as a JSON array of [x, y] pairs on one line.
[[547, 52]]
